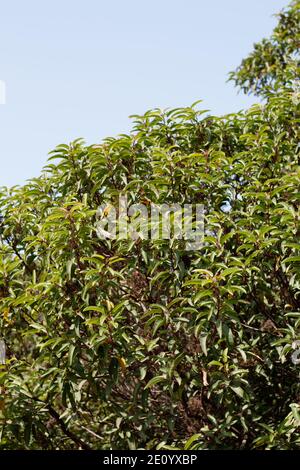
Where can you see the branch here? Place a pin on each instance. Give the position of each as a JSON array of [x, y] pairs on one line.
[[65, 430]]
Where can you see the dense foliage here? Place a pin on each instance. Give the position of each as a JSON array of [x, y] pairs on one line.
[[141, 344]]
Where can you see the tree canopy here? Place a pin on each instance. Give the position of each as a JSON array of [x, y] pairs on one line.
[[140, 344]]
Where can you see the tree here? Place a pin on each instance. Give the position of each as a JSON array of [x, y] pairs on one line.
[[140, 343], [274, 63]]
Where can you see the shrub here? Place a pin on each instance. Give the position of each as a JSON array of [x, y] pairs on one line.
[[140, 343]]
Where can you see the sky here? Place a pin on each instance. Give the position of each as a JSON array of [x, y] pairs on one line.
[[80, 68]]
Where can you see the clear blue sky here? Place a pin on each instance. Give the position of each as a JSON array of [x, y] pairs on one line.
[[80, 68]]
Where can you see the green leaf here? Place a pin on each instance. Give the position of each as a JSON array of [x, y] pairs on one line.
[[155, 381]]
